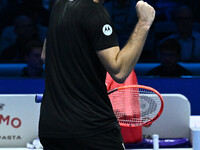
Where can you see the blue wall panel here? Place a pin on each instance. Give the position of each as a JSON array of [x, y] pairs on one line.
[[189, 87]]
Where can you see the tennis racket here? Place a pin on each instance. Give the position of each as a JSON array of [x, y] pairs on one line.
[[136, 105], [133, 105]]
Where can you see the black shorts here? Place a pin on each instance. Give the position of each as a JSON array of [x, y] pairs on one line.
[[111, 140]]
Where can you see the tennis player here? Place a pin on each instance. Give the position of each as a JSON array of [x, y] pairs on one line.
[[81, 45]]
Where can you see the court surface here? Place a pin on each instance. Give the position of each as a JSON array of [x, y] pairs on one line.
[[126, 149]]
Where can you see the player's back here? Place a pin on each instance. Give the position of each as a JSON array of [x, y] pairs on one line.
[[75, 94]]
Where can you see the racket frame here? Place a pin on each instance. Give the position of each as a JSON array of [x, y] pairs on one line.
[[146, 88]]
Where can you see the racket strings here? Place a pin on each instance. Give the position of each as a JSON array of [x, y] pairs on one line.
[[135, 105]]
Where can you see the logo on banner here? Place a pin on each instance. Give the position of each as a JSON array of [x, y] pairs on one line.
[[107, 30], [10, 137], [14, 122], [7, 120]]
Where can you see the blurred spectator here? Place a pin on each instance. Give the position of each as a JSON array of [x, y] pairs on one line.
[[33, 59], [9, 13], [195, 6], [2, 4], [48, 4], [26, 31], [36, 11], [164, 9], [169, 52], [188, 38], [9, 36]]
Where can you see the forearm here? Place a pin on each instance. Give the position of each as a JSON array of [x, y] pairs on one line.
[[120, 63], [129, 55]]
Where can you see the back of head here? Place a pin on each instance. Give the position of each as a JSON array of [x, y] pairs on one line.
[[33, 57], [170, 45], [25, 28], [183, 11], [170, 53]]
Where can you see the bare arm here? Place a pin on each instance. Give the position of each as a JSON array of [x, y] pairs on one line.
[[43, 55], [120, 63]]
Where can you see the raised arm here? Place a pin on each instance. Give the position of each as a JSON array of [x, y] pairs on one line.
[[120, 63]]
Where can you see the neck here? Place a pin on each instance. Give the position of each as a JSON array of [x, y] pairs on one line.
[[98, 1]]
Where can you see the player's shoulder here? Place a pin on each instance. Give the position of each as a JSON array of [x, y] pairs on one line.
[[94, 13]]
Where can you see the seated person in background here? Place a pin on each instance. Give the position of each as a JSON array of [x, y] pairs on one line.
[[194, 5], [8, 13], [36, 11], [169, 52], [164, 9], [188, 38], [2, 4], [26, 31], [9, 36], [33, 59]]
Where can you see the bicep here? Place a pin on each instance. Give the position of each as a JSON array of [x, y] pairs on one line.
[[108, 58]]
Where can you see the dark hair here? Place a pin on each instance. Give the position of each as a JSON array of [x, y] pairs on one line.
[[180, 9], [171, 45]]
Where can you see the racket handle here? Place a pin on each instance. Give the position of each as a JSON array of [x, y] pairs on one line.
[[38, 98], [155, 142]]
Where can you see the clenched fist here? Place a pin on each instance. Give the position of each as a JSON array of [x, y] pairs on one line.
[[145, 13]]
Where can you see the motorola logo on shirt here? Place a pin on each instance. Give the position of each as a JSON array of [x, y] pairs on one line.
[[107, 30]]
